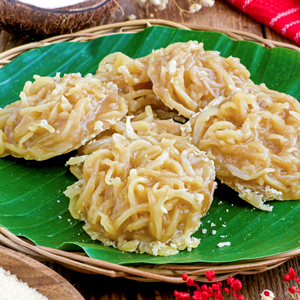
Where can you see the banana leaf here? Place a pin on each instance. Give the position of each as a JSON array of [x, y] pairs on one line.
[[32, 203]]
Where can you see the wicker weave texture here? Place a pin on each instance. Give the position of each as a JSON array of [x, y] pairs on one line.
[[130, 27], [147, 273]]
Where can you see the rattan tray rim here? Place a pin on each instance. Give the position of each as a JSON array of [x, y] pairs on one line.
[[131, 27], [148, 273], [144, 272]]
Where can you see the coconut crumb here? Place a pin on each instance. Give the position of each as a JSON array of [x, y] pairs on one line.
[[222, 244], [256, 199], [132, 17], [99, 126]]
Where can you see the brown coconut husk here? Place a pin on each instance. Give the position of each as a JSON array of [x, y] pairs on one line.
[[31, 22]]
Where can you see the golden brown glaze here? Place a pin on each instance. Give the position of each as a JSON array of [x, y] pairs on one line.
[[57, 115], [187, 78], [143, 193], [253, 138]]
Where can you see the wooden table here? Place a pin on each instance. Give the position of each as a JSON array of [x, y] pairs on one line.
[[92, 287]]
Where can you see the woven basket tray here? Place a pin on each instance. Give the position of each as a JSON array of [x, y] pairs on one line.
[[148, 273]]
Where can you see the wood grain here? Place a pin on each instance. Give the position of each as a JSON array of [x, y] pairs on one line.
[[98, 287], [37, 275], [8, 41], [221, 15]]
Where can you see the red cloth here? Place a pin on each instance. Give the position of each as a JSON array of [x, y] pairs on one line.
[[281, 15]]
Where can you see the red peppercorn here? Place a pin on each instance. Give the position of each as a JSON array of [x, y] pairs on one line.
[[214, 291], [205, 295], [292, 273], [181, 295], [184, 277], [210, 275], [236, 285], [218, 296], [204, 287], [215, 286], [286, 277], [197, 295], [230, 280], [209, 291], [292, 289], [189, 282]]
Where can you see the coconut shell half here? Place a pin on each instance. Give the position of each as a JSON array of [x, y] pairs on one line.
[[29, 22]]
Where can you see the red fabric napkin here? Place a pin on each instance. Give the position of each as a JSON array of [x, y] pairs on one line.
[[281, 15]]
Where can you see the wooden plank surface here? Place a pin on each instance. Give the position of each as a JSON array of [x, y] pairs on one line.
[[96, 287]]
